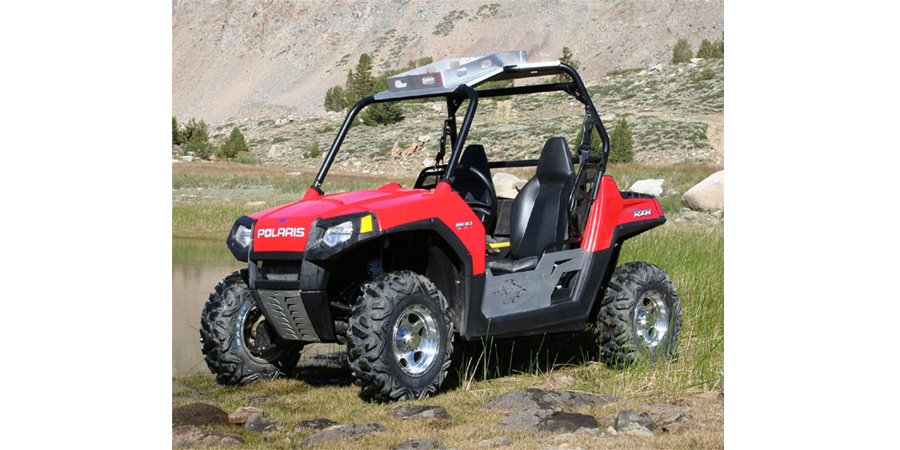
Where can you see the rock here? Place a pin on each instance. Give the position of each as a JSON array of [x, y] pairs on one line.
[[520, 184], [495, 442], [424, 139], [259, 423], [696, 60], [262, 399], [419, 412], [316, 424], [504, 181], [675, 418], [611, 431], [536, 420], [199, 414], [712, 396], [416, 146], [510, 193], [649, 186], [584, 431], [424, 444], [342, 432], [536, 398], [720, 385], [628, 417], [557, 382], [656, 68], [690, 216], [259, 203], [276, 150], [635, 429], [681, 427], [428, 162], [395, 149], [707, 195], [192, 436], [243, 413], [661, 409]]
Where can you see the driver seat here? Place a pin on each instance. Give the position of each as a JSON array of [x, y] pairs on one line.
[[540, 213], [469, 186]]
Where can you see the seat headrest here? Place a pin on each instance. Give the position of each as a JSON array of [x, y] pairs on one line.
[[475, 156], [556, 159]]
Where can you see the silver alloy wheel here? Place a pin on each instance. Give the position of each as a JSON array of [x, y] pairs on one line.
[[416, 340], [651, 319]]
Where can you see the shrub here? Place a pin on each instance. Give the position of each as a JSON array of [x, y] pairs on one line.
[[621, 145], [246, 158], [335, 99], [711, 50], [381, 114], [314, 151], [233, 145], [196, 137], [177, 137], [682, 52]]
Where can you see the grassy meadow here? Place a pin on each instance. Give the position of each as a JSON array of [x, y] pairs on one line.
[[208, 197]]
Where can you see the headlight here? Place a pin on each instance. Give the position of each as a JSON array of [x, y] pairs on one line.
[[338, 233], [243, 235]]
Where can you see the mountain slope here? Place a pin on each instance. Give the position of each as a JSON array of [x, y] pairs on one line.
[[234, 60]]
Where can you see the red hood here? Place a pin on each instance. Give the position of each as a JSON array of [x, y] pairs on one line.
[[287, 227]]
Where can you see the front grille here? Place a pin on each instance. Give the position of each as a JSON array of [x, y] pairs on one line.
[[280, 270], [283, 276]]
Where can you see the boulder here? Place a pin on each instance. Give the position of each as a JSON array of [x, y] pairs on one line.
[[338, 433], [243, 413], [199, 414], [536, 398], [419, 412], [423, 444], [545, 420], [504, 181], [192, 436], [707, 195], [495, 442], [259, 424], [626, 418], [316, 424], [276, 150], [650, 186], [635, 429]]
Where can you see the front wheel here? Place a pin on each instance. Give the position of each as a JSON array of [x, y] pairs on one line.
[[400, 338], [239, 344], [640, 316]]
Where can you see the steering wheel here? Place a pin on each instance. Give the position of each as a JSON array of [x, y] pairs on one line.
[[487, 212]]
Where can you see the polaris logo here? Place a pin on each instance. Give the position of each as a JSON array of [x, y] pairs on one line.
[[463, 224], [642, 213], [280, 232]]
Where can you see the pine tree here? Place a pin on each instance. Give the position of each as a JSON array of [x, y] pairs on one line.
[[360, 84], [682, 52], [566, 58], [233, 145], [621, 145], [177, 137], [335, 99], [197, 139]]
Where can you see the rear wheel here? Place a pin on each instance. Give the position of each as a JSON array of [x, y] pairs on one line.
[[640, 316], [239, 345], [401, 338]]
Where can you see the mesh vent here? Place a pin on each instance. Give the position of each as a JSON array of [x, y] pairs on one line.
[[283, 276]]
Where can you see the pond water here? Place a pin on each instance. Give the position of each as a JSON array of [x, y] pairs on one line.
[[197, 266]]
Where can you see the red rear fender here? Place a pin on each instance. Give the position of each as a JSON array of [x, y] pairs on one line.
[[611, 212]]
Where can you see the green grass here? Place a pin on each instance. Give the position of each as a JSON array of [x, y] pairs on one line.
[[692, 254]]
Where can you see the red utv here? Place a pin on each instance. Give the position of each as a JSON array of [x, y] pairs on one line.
[[398, 274]]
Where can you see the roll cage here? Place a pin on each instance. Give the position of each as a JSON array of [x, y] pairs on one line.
[[439, 80]]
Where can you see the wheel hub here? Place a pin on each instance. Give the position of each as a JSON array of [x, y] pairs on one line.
[[416, 340], [651, 319]]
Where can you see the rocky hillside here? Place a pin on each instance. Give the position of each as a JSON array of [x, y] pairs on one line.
[[263, 59]]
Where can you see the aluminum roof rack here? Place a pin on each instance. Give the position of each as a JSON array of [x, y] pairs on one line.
[[448, 74]]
